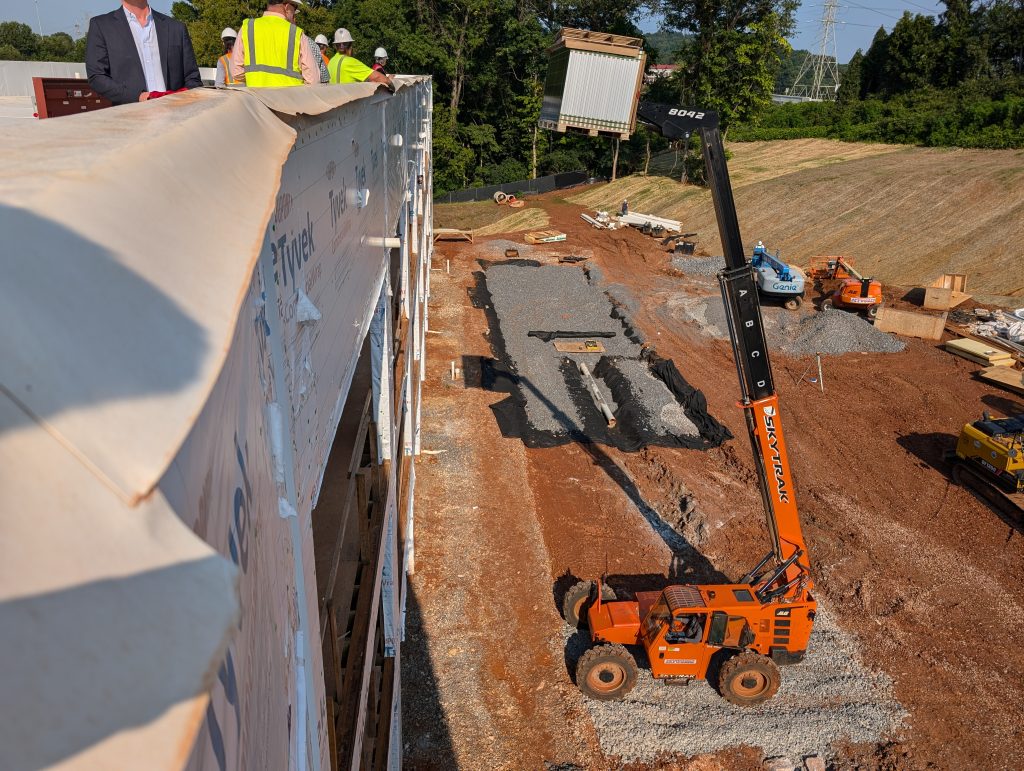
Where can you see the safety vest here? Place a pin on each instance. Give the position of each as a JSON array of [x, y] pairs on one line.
[[272, 47], [225, 62], [334, 67]]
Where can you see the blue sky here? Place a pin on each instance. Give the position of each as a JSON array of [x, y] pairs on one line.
[[857, 19]]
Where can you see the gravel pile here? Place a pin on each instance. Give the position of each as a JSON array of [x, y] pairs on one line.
[[558, 297], [699, 266], [831, 697], [797, 333], [835, 331]]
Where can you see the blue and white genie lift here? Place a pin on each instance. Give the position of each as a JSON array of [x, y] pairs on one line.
[[775, 278]]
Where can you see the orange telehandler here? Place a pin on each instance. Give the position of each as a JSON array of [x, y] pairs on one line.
[[749, 628]]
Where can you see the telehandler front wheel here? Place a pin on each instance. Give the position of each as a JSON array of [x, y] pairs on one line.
[[748, 679], [578, 599], [606, 673]]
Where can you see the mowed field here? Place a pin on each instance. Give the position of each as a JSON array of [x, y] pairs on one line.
[[903, 214]]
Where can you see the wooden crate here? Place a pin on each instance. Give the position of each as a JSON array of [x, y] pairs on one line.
[[910, 324]]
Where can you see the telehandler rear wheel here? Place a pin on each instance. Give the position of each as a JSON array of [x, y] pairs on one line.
[[872, 312], [748, 679], [606, 672], [578, 599], [827, 304]]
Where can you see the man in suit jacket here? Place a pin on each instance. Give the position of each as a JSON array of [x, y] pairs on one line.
[[135, 51]]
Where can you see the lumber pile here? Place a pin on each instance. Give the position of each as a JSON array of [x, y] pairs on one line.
[[452, 234], [980, 352]]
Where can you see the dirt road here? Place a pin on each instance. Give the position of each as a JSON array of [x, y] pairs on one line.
[[923, 578]]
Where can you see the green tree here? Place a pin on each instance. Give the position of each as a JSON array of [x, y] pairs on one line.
[[58, 47], [20, 37], [733, 54], [849, 87], [872, 77], [911, 54], [961, 53]]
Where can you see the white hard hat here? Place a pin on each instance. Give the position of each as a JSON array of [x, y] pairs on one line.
[[321, 40], [228, 32], [380, 53], [342, 35], [296, 3]]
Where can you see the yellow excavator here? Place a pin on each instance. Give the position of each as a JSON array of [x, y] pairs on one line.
[[989, 461]]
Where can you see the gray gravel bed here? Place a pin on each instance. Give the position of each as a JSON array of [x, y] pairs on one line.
[[560, 297], [798, 333], [495, 249], [830, 697], [699, 266], [662, 413]]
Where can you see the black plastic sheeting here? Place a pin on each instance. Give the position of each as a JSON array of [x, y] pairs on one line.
[[631, 432], [520, 187]]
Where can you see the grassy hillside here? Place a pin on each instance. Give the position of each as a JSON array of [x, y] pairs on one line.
[[905, 214]]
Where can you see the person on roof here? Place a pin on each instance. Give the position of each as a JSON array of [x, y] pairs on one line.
[[223, 78], [380, 61], [271, 51], [345, 68], [134, 53], [324, 45]]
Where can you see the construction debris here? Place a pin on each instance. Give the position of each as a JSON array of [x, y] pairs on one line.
[[595, 393], [544, 236], [601, 220], [650, 221], [979, 352], [503, 199], [1005, 377], [587, 346]]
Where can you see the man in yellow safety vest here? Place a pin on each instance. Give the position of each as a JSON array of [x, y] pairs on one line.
[[272, 51], [345, 68], [223, 78]]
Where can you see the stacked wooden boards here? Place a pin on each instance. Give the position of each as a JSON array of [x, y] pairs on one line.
[[980, 353]]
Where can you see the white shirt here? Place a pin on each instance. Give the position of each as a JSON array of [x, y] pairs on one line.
[[149, 50]]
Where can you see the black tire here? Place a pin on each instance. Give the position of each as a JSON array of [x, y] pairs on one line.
[[872, 312], [827, 304], [748, 679], [577, 600], [606, 673], [793, 303]]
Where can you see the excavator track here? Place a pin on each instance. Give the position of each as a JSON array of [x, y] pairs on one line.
[[981, 486]]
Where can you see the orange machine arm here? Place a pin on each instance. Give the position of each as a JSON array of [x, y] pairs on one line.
[[785, 571]]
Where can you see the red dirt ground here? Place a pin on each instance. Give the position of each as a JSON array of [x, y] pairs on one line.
[[924, 576]]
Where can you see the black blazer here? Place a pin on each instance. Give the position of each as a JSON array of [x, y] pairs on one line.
[[112, 61]]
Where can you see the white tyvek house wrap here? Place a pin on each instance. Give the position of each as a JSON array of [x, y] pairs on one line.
[[147, 349]]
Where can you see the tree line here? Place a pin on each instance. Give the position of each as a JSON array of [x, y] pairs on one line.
[[955, 80]]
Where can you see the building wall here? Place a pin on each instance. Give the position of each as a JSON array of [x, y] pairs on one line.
[[248, 477]]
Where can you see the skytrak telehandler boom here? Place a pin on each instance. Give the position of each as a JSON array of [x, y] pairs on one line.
[[764, 620]]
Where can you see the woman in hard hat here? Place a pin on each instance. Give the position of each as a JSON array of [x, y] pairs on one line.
[[380, 60], [223, 77], [323, 44]]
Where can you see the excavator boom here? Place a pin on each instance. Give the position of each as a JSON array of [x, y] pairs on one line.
[[791, 574]]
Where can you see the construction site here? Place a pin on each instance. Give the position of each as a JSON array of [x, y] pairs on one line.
[[633, 474]]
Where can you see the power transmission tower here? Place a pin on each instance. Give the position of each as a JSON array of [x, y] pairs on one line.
[[818, 78]]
